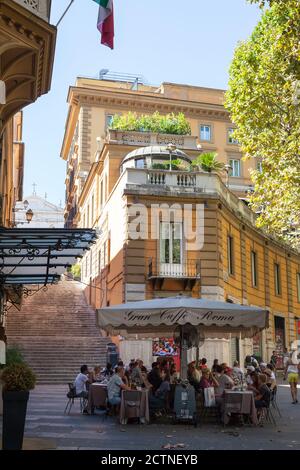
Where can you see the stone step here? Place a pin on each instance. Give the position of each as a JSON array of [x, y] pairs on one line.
[[57, 332]]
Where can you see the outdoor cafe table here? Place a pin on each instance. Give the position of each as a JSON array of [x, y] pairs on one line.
[[240, 402], [132, 411], [97, 396]]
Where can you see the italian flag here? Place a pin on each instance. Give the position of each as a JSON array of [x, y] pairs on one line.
[[106, 22]]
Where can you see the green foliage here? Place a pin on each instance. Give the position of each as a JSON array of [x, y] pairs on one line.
[[264, 102], [18, 377], [14, 356], [176, 165], [163, 124], [208, 162], [76, 270]]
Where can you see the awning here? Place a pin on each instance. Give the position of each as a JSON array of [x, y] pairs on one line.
[[212, 318], [40, 256]]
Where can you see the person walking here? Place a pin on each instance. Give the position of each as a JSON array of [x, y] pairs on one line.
[[291, 372]]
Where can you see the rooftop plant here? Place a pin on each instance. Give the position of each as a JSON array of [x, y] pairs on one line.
[[208, 162], [176, 165], [163, 124]]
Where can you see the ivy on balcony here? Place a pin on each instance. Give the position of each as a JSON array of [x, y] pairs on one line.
[[175, 124]]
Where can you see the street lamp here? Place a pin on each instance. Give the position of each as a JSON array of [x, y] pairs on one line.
[[171, 148], [29, 216]]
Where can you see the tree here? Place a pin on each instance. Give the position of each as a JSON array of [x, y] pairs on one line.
[[263, 100], [207, 161]]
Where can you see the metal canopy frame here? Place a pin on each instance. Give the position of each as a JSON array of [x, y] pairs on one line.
[[40, 256]]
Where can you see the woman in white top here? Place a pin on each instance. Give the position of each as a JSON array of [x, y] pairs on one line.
[[292, 372]]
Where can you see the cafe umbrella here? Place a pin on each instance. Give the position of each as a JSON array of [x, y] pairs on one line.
[[209, 318]]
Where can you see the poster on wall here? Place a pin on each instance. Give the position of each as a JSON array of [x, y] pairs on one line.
[[279, 345], [165, 347], [257, 349]]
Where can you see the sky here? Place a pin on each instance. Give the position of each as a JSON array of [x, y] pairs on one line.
[[190, 42]]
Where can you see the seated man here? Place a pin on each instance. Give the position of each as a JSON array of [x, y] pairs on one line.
[[154, 377], [81, 381], [157, 401], [114, 387]]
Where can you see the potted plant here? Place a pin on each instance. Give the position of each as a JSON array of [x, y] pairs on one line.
[[208, 162], [18, 379], [10, 356]]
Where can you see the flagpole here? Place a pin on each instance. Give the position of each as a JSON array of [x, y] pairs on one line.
[[65, 12]]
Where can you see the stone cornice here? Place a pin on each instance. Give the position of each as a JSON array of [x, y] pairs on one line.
[[36, 39], [144, 102]]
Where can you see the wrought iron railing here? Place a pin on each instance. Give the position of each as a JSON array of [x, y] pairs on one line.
[[188, 269]]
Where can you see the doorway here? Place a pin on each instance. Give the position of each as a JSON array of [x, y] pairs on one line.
[[279, 324]]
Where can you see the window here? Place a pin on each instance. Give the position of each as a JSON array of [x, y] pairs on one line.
[[235, 170], [298, 286], [230, 255], [231, 139], [92, 210], [99, 262], [105, 189], [140, 163], [205, 132], [104, 255], [277, 279], [171, 243], [88, 217], [86, 266], [259, 167], [108, 120], [101, 194], [254, 268], [91, 263]]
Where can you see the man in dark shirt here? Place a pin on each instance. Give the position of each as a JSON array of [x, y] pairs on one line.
[[154, 376]]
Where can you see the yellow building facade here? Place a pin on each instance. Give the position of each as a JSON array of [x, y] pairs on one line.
[[112, 173], [27, 47]]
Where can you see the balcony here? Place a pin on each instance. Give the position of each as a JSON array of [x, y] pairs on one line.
[[40, 8], [182, 183], [27, 54], [136, 139], [188, 272]]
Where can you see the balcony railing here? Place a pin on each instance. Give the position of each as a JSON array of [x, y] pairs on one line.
[[187, 142], [189, 269], [40, 8], [183, 179]]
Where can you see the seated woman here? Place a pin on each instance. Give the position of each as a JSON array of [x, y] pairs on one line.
[[193, 375], [253, 383], [96, 374], [208, 380], [157, 401], [262, 399]]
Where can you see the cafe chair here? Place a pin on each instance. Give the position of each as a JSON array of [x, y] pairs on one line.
[[132, 403], [274, 403], [207, 410], [71, 400], [266, 416]]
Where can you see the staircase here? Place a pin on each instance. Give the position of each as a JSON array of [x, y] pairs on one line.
[[56, 332]]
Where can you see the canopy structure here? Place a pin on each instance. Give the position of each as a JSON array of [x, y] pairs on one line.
[[209, 318], [212, 317], [40, 256]]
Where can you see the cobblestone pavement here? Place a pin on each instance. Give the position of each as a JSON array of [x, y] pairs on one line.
[[48, 427]]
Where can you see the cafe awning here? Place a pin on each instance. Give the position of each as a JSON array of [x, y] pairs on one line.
[[40, 256], [212, 318]]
